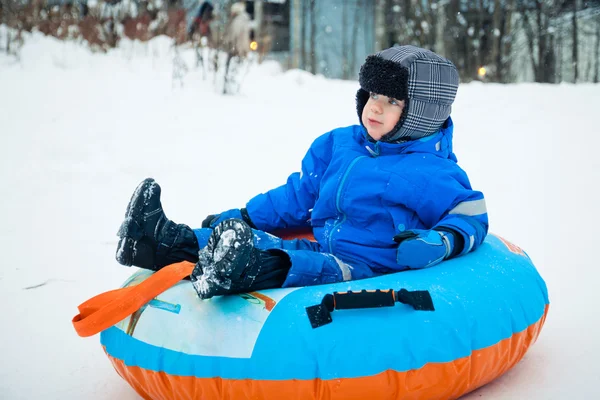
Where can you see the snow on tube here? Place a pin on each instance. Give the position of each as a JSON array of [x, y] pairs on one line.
[[490, 306]]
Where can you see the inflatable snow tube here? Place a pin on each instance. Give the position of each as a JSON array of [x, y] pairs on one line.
[[490, 306]]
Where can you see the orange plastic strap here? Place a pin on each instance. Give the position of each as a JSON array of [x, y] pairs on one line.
[[106, 309]]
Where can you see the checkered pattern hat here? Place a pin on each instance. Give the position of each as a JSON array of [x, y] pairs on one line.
[[426, 81]]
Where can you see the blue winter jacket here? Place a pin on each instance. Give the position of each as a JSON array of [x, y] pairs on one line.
[[356, 195]]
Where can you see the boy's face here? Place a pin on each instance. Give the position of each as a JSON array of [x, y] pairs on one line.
[[381, 114]]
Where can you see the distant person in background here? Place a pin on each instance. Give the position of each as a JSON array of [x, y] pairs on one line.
[[236, 40], [236, 43], [381, 196], [201, 35], [201, 24]]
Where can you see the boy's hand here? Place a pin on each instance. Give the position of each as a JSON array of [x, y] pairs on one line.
[[215, 219], [420, 248]]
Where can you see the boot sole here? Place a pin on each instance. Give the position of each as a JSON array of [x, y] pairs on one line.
[[125, 250], [232, 246], [224, 259], [134, 213], [131, 230]]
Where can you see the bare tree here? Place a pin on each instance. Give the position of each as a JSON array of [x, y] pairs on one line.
[[303, 55], [540, 38], [344, 49], [7, 13], [575, 58], [313, 35], [297, 27], [425, 22], [597, 53], [354, 42], [504, 70], [12, 16], [350, 40], [380, 25]]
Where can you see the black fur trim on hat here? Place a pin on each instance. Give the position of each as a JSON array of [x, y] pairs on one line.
[[362, 96], [384, 77]]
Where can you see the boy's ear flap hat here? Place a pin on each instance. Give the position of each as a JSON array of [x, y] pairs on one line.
[[426, 82]]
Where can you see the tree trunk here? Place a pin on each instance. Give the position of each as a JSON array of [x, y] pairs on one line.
[[478, 62], [575, 56], [452, 37], [550, 59], [541, 34], [354, 45], [304, 22], [381, 28], [506, 48], [7, 16], [559, 62], [440, 28], [530, 36], [496, 39], [344, 40], [258, 18], [313, 34], [434, 21], [597, 54], [296, 23], [4, 12]]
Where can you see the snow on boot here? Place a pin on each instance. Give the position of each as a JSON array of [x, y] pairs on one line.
[[147, 238], [224, 260], [231, 264]]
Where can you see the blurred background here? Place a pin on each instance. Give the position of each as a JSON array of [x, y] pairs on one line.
[[546, 41]]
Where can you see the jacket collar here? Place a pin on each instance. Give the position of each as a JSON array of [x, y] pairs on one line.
[[438, 144]]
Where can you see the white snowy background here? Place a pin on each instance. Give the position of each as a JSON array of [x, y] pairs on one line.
[[79, 131]]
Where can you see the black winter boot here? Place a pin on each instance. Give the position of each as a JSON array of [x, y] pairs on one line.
[[148, 239], [231, 264]]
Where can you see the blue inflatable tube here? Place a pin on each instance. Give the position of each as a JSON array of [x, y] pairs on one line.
[[490, 305]]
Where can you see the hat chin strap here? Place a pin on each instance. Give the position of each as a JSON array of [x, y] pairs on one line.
[[386, 138]]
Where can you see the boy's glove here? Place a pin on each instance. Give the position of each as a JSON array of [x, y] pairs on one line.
[[420, 248], [215, 219]]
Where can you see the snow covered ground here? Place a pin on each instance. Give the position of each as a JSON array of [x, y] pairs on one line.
[[80, 130]]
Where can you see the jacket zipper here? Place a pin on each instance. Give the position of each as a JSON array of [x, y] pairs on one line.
[[338, 198]]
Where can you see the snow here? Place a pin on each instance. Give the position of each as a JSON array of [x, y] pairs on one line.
[[81, 130], [210, 279], [218, 265], [226, 240]]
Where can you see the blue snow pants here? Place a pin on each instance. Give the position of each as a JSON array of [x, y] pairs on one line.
[[310, 265]]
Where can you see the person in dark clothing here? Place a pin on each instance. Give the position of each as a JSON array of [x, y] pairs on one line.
[[201, 23], [380, 197]]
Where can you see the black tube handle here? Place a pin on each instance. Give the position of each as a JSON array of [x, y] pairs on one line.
[[320, 314]]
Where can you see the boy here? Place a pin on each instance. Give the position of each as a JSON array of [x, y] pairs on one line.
[[380, 197]]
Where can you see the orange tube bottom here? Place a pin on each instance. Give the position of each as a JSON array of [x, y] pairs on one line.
[[433, 381]]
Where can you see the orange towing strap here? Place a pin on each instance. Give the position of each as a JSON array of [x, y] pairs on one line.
[[107, 309]]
